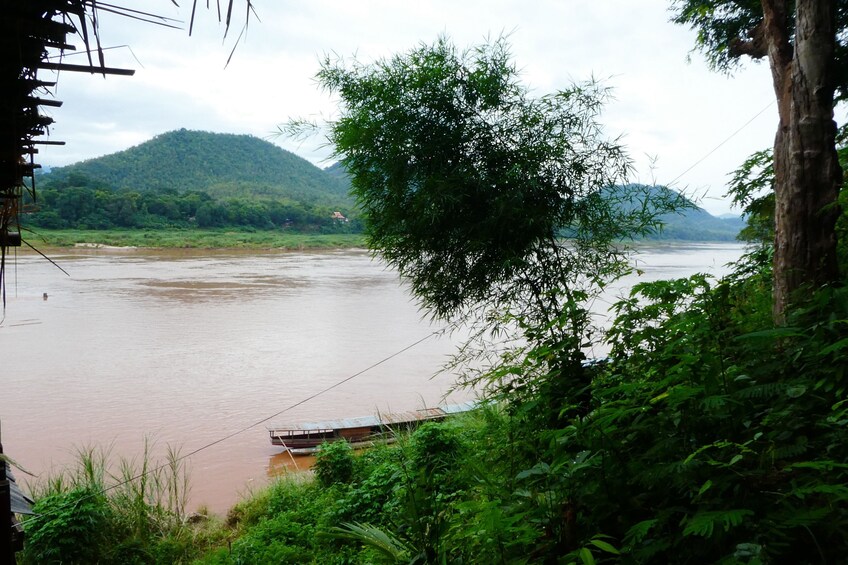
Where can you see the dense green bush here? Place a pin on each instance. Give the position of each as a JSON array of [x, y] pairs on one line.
[[334, 463], [711, 435], [77, 529], [372, 498]]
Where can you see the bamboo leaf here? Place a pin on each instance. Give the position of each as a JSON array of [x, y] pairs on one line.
[[604, 546], [586, 556]]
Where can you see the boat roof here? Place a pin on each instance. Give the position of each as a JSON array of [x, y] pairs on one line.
[[381, 419]]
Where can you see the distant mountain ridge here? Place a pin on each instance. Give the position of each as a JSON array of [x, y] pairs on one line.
[[691, 222], [699, 225], [220, 164], [243, 166]]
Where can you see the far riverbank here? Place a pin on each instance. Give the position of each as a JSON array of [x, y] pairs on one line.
[[192, 239], [234, 239]]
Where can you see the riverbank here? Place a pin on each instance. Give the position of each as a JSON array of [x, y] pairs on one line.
[[139, 514], [235, 239], [192, 239]]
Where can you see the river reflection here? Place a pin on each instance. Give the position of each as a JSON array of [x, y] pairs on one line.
[[189, 347], [285, 462]]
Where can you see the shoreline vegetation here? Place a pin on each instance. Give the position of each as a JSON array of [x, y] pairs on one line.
[[136, 510], [235, 239], [191, 239]]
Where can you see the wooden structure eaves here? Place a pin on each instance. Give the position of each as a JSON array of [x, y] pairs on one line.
[[32, 33]]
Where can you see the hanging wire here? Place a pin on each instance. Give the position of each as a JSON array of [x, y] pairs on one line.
[[232, 434], [717, 147]]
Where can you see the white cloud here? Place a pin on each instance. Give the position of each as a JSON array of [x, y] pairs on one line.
[[663, 106]]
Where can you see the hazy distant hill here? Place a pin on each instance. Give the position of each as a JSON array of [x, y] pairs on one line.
[[691, 223], [222, 165], [337, 170], [696, 224], [700, 225]]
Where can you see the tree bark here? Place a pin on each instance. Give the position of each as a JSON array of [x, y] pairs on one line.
[[806, 166]]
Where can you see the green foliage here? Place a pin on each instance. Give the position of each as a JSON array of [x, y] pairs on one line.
[[702, 421], [387, 545], [92, 514], [76, 531], [86, 206], [752, 189], [279, 539], [334, 463], [725, 26], [708, 435], [434, 448], [469, 186], [720, 24], [371, 498], [467, 181], [427, 489], [287, 523]]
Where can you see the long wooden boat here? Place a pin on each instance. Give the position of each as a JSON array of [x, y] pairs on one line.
[[362, 431]]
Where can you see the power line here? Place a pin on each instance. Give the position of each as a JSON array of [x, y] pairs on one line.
[[240, 431], [717, 147], [308, 398]]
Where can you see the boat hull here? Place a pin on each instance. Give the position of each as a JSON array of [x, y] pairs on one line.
[[306, 438]]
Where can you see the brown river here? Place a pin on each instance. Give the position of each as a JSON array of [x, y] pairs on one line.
[[187, 348]]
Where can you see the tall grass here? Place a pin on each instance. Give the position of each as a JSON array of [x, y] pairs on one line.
[[122, 510]]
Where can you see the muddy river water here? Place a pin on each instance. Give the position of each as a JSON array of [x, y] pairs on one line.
[[188, 347]]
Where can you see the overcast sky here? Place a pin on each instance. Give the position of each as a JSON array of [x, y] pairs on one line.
[[669, 107]]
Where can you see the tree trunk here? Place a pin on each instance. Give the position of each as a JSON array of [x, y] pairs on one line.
[[806, 166]]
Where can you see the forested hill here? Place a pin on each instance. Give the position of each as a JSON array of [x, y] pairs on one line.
[[690, 223], [221, 165], [699, 225], [337, 170], [184, 179]]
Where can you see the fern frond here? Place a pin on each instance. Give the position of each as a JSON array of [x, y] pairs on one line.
[[372, 536], [703, 523], [760, 391]]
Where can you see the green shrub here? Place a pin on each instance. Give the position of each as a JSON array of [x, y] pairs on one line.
[[88, 514], [372, 500], [72, 527], [434, 448], [334, 463], [278, 539]]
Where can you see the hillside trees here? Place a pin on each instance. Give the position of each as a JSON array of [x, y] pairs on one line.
[[83, 203], [806, 45], [222, 165]]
